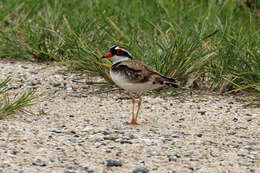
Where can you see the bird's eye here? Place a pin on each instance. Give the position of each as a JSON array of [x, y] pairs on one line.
[[119, 52]]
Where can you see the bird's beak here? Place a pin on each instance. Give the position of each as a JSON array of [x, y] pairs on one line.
[[108, 55]]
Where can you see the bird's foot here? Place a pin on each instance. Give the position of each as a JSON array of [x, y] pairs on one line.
[[133, 122]]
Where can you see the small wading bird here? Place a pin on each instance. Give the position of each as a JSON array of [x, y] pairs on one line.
[[134, 76]]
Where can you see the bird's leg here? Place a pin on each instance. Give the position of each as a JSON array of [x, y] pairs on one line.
[[138, 108], [133, 121], [133, 108]]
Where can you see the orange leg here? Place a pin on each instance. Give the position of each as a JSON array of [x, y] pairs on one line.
[[133, 121], [138, 108]]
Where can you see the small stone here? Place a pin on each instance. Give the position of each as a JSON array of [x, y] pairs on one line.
[[106, 133], [14, 152], [73, 132], [112, 138], [249, 148], [68, 87], [140, 170], [131, 137], [39, 162], [166, 108], [116, 163], [254, 143], [125, 142], [85, 169], [194, 159], [182, 100], [119, 132], [172, 158], [24, 67], [86, 129], [177, 155], [56, 131], [15, 87], [202, 112], [191, 168], [71, 167], [232, 133], [235, 119], [199, 135], [35, 82], [55, 84]]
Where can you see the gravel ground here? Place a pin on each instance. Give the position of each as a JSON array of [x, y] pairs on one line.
[[73, 130]]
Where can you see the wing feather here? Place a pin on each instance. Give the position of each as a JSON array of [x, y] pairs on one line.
[[134, 71]]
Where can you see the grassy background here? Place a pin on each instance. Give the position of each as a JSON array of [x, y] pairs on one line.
[[169, 35]]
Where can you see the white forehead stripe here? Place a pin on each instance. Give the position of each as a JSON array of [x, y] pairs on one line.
[[113, 47]]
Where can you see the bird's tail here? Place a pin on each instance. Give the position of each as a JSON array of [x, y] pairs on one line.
[[170, 82], [167, 81]]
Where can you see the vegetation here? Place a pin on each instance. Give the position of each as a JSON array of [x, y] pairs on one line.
[[10, 106], [169, 35]]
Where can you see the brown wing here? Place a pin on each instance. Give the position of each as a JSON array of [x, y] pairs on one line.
[[149, 73], [134, 71]]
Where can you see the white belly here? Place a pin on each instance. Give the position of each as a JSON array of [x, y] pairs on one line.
[[122, 82]]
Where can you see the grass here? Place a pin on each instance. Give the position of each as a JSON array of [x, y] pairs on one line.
[[9, 106], [169, 35]]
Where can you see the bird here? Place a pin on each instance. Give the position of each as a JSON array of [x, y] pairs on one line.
[[134, 76]]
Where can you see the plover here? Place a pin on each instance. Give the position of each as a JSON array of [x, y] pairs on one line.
[[134, 76]]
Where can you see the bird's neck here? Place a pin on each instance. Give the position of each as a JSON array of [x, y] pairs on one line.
[[117, 59]]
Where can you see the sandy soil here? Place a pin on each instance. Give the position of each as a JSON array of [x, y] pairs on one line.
[[74, 129]]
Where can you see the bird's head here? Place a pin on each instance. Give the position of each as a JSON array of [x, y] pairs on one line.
[[118, 53]]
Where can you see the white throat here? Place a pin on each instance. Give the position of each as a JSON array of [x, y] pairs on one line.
[[117, 59]]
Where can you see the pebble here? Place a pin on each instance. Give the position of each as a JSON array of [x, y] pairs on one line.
[[55, 84], [125, 142], [202, 112], [235, 119], [111, 163], [140, 170], [199, 135], [172, 158], [35, 82]]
